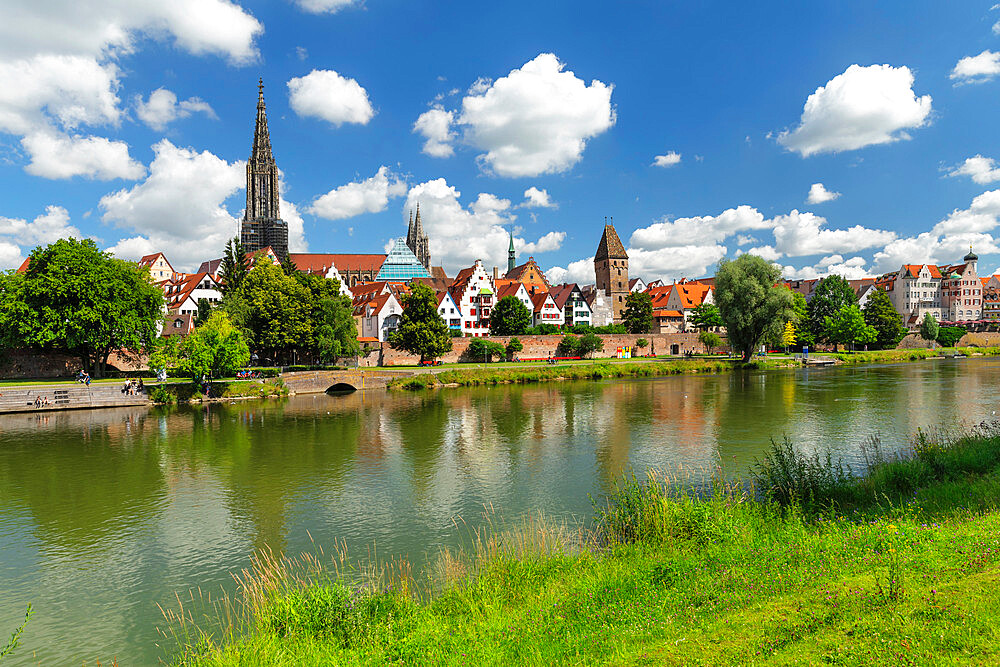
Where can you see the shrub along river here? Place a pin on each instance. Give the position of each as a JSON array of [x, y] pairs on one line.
[[105, 513]]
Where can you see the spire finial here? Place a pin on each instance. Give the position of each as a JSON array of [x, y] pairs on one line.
[[260, 93]]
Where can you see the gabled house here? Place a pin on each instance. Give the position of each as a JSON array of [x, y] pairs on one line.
[[530, 275], [184, 291], [685, 297], [159, 268], [545, 310], [515, 289], [569, 299], [449, 311], [636, 285], [474, 293], [991, 297], [915, 291], [601, 311], [375, 318], [178, 325]]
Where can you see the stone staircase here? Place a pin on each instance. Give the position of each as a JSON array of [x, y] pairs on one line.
[[21, 398]]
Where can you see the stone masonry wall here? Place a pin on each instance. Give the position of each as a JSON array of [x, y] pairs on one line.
[[544, 346]]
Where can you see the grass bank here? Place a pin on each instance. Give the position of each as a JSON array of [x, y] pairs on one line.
[[592, 371], [187, 392], [897, 356], [811, 564]]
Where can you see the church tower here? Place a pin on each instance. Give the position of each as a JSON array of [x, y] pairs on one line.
[[262, 223], [511, 255], [611, 270], [417, 241]]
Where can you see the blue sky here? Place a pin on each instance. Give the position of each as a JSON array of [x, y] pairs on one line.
[[129, 121]]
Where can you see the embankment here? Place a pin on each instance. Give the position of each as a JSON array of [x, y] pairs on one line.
[[899, 566]]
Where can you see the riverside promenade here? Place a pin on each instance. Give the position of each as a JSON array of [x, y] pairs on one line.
[[66, 396]]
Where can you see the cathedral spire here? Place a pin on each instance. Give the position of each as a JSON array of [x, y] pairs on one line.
[[511, 254], [262, 225]]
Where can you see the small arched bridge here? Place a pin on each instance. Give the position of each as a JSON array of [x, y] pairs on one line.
[[318, 382]]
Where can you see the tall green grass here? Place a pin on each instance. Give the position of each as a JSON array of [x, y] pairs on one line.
[[730, 572]]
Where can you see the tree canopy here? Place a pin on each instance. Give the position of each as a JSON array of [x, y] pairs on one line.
[[235, 266], [78, 300], [848, 327], [510, 317], [929, 328], [334, 333], [638, 315], [421, 329], [753, 307], [881, 315], [706, 316], [273, 309], [832, 293], [215, 349], [800, 309]]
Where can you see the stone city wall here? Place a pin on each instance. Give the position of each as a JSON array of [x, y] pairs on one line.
[[25, 364], [545, 346]]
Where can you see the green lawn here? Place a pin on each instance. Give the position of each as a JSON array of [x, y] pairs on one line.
[[894, 574]]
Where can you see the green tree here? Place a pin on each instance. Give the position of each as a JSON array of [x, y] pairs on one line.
[[421, 329], [641, 343], [753, 307], [881, 315], [706, 316], [803, 336], [480, 349], [235, 266], [949, 336], [288, 266], [848, 327], [929, 328], [544, 329], [514, 346], [215, 349], [590, 343], [638, 313], [832, 293], [510, 317], [165, 353], [274, 311], [204, 311], [569, 346], [334, 333], [710, 340], [80, 301]]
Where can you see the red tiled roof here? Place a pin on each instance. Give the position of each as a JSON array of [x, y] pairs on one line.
[[692, 294], [667, 313], [24, 265], [538, 300], [321, 262], [560, 293], [610, 246], [508, 288], [912, 270]]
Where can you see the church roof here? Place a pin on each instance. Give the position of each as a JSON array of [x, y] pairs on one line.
[[401, 264], [611, 246], [314, 262]]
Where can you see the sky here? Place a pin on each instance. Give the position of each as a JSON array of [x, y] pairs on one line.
[[840, 137]]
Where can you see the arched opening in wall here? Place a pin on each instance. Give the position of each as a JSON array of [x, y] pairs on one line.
[[675, 349], [341, 388]]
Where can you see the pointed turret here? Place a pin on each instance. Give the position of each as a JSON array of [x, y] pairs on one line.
[[511, 254], [417, 241]]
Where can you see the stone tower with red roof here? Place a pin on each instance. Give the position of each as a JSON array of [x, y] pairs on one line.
[[611, 270]]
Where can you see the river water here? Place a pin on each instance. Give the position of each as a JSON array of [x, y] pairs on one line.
[[105, 513]]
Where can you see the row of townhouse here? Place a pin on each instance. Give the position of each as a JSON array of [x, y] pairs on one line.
[[954, 294]]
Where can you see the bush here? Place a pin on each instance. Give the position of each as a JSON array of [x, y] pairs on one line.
[[590, 343], [480, 349], [513, 347], [788, 476], [569, 346], [949, 336], [544, 329], [160, 394], [266, 371]]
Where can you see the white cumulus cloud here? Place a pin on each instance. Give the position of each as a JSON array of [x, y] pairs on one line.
[[459, 235], [179, 208], [668, 159], [327, 95], [435, 126], [56, 155], [819, 194], [861, 107], [798, 234], [980, 169], [368, 196], [977, 69], [537, 198], [535, 120], [685, 232], [162, 108]]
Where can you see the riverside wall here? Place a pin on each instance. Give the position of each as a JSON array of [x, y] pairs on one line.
[[545, 346], [25, 364]]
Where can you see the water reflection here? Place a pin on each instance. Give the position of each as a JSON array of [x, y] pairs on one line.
[[104, 513]]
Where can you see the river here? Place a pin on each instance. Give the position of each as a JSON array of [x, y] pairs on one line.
[[105, 513]]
